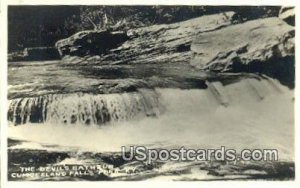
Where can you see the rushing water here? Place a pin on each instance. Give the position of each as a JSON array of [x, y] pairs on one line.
[[248, 113]]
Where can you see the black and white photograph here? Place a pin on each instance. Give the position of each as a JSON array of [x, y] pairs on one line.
[[150, 92]]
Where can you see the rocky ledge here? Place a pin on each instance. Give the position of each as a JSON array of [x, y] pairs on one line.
[[154, 44], [261, 46], [218, 43]]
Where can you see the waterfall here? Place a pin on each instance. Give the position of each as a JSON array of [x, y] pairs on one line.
[[250, 113], [82, 108], [99, 109]]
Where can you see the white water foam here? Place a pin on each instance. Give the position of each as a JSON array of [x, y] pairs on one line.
[[245, 115]]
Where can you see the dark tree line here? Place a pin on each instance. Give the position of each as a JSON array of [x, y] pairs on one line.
[[32, 26]]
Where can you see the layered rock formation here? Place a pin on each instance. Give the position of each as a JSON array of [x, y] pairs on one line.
[[158, 43], [260, 46]]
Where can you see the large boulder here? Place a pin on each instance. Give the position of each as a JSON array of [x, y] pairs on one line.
[[90, 42], [259, 46]]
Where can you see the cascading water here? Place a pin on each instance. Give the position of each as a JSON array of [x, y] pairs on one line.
[[250, 113], [85, 109]]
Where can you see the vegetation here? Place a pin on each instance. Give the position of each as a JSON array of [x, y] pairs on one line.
[[34, 26]]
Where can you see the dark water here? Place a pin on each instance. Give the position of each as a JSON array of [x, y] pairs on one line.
[[27, 79]]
